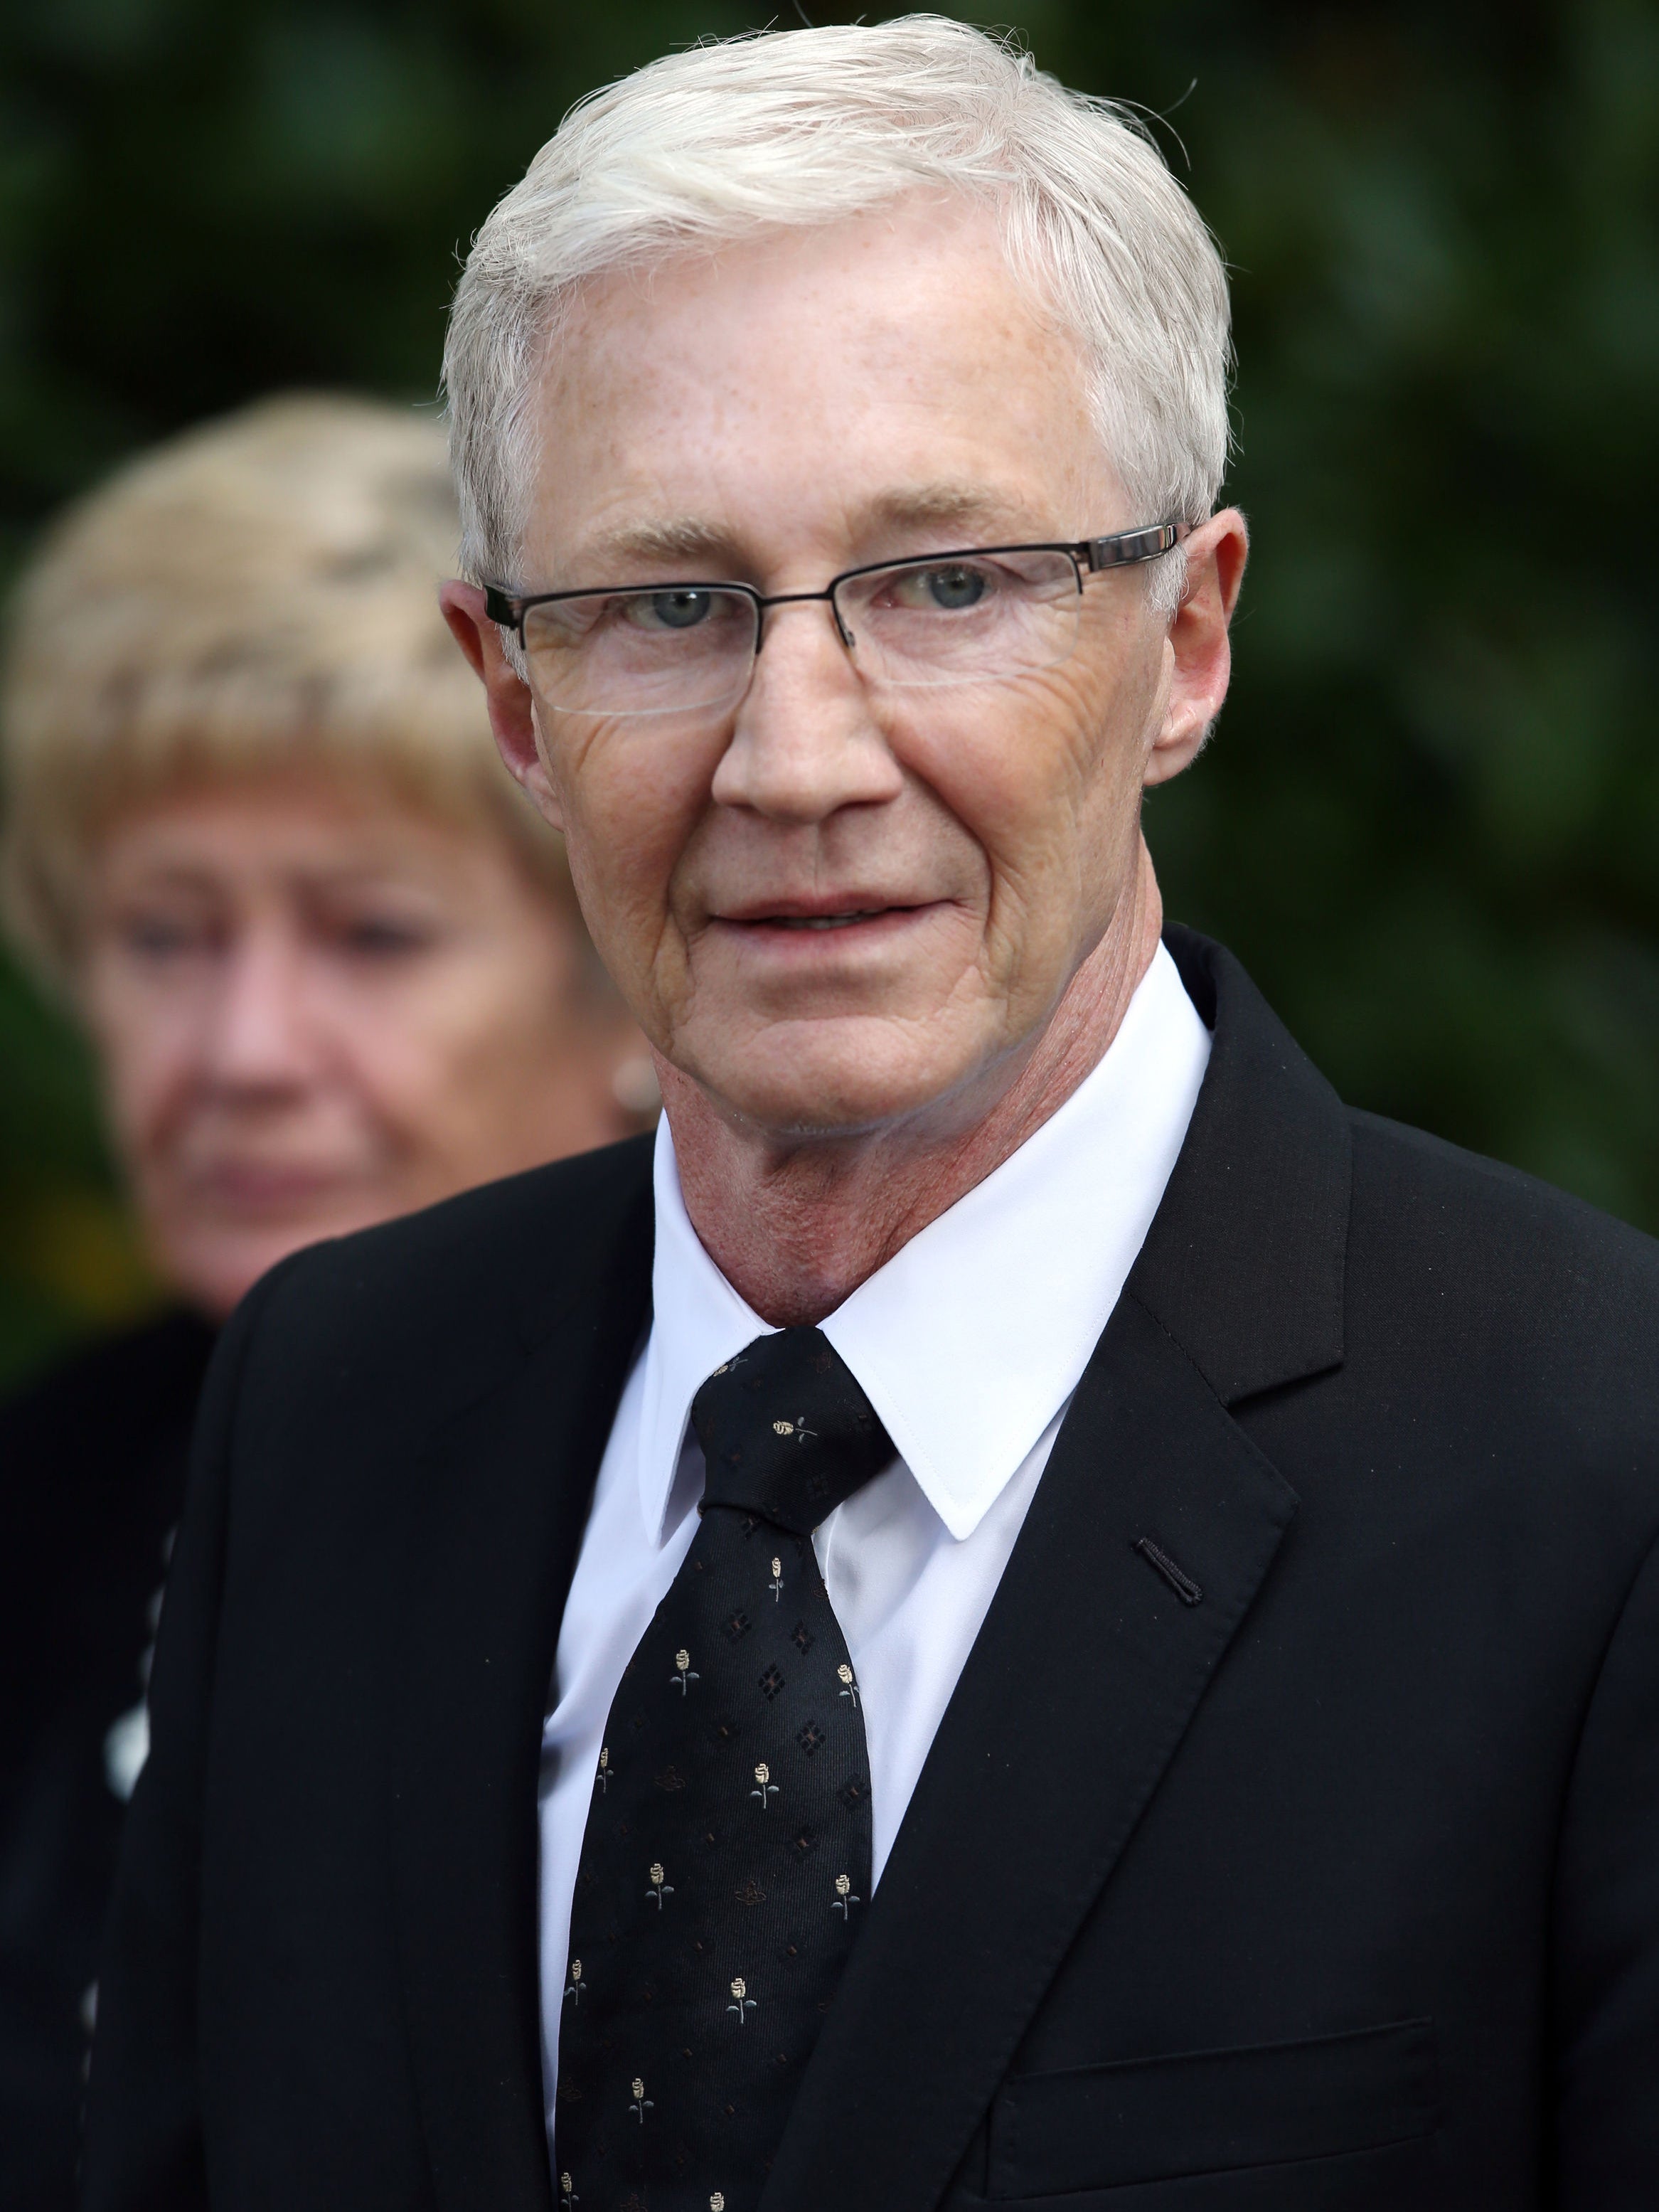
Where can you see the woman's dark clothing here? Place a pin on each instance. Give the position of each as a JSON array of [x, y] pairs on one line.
[[92, 1478]]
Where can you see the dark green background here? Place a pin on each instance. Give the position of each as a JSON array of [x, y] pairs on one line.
[[1430, 818]]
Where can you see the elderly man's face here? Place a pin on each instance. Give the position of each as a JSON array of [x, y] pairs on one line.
[[836, 905]]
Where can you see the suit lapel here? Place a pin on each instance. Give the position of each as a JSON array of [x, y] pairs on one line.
[[1091, 1664], [496, 1508], [1074, 1697]]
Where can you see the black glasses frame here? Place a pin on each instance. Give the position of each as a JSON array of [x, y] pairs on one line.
[[1087, 555]]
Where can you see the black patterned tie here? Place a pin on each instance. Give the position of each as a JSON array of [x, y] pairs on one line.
[[726, 1860]]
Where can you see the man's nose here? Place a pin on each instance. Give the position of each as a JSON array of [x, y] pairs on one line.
[[804, 742], [260, 1033]]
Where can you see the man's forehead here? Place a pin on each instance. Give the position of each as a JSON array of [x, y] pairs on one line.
[[850, 324], [869, 387]]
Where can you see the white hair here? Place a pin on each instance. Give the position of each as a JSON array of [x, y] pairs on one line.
[[728, 139]]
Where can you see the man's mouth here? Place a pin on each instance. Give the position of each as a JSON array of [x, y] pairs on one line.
[[870, 922], [793, 912], [822, 921]]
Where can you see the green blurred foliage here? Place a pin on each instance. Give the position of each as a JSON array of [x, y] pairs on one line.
[[1430, 817]]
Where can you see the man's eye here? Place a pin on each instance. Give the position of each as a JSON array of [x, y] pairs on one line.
[[660, 611], [949, 589]]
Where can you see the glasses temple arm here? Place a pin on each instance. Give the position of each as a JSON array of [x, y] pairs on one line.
[[1132, 545]]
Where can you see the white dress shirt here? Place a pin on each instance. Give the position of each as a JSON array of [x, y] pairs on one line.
[[968, 1343]]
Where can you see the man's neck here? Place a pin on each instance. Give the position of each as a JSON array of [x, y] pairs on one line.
[[796, 1229]]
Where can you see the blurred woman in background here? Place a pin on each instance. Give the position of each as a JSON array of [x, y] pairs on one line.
[[332, 969]]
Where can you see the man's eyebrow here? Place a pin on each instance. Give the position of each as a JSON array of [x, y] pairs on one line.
[[683, 538], [949, 506], [711, 550]]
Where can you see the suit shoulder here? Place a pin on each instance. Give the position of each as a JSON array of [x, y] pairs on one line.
[[425, 1304], [1444, 1190], [1507, 1287], [500, 1237]]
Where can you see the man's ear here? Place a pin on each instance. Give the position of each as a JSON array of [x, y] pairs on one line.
[[1199, 658], [512, 711]]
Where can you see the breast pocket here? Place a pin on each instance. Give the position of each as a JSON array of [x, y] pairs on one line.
[[1210, 2111]]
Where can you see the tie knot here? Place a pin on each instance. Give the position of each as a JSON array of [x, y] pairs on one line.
[[786, 1432]]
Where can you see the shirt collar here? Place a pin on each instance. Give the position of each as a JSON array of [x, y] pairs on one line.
[[1014, 1283]]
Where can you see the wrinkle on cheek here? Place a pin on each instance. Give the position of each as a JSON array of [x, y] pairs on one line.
[[674, 984], [1030, 828], [641, 948], [1053, 889], [567, 763], [631, 807]]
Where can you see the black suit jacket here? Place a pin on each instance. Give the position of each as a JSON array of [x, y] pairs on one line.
[[1337, 1885]]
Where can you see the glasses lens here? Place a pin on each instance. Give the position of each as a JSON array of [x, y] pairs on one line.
[[649, 651], [976, 618]]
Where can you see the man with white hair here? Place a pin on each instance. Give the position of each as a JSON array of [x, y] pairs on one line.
[[1027, 1609]]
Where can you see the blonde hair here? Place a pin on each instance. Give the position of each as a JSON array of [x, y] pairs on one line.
[[255, 595], [796, 128]]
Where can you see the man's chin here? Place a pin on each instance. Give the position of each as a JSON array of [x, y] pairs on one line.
[[816, 1093]]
